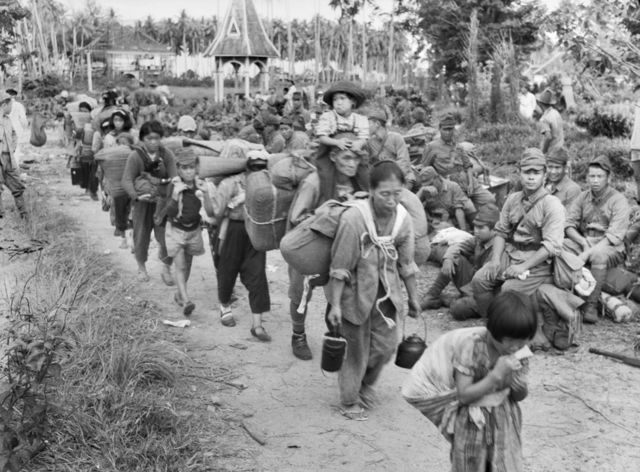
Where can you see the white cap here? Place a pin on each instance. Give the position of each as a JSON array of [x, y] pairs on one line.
[[64, 94], [187, 123]]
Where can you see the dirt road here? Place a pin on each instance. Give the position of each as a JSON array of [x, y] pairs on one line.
[[581, 413]]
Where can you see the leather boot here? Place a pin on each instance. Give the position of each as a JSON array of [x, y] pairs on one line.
[[431, 299], [590, 310], [299, 344]]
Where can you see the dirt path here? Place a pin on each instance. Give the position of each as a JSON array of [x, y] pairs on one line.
[[581, 414]]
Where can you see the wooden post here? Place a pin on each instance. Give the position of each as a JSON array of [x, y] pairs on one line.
[[390, 77], [89, 73], [267, 77]]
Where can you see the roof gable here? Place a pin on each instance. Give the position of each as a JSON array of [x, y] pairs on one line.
[[126, 38], [242, 34]]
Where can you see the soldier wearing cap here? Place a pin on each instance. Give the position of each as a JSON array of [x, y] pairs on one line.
[[597, 222], [271, 137], [444, 199], [299, 116], [558, 182], [187, 126], [453, 161], [550, 122], [463, 259], [9, 176], [294, 140], [385, 145], [529, 234]]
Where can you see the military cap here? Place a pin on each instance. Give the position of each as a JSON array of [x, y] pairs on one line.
[[558, 156], [186, 157], [448, 121], [488, 215], [603, 162], [187, 123], [378, 115], [532, 158], [428, 174]]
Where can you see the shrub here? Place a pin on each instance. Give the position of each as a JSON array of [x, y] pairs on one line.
[[47, 86], [611, 121]]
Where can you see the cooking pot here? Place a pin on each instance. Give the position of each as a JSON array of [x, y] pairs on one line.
[[334, 347], [411, 348]]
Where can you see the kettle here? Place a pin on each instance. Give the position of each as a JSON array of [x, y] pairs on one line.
[[334, 347], [411, 348]]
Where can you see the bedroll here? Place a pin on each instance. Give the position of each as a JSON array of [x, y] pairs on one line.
[[288, 170], [266, 210]]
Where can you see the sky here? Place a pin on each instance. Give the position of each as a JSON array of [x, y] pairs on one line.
[[130, 10]]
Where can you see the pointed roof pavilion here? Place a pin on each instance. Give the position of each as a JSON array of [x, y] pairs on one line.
[[242, 34]]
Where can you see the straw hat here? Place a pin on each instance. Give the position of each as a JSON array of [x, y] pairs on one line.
[[547, 97], [348, 88]]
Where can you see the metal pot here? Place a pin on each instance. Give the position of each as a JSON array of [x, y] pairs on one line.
[[334, 347], [411, 348]]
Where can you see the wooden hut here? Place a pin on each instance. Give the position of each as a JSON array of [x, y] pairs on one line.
[[126, 50], [242, 41]]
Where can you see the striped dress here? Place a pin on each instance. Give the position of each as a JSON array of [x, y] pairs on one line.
[[484, 437]]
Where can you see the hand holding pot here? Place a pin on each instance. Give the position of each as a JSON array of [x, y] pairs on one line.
[[335, 316]]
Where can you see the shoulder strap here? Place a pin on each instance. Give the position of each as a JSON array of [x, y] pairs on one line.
[[146, 160], [533, 204], [365, 210]]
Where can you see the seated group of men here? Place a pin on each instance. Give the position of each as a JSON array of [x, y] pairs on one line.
[[514, 248]]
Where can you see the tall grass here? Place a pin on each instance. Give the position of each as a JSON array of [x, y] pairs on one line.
[[111, 401]]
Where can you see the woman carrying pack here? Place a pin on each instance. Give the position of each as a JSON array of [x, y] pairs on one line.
[[372, 255], [339, 175]]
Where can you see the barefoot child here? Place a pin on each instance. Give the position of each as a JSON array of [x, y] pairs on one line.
[[469, 382], [184, 234]]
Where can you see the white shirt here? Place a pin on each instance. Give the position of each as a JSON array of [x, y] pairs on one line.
[[527, 105], [18, 117]]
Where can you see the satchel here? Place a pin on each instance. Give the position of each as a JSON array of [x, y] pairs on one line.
[[619, 281], [567, 270]]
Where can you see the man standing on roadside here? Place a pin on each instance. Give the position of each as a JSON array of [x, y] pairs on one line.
[[9, 176], [550, 122]]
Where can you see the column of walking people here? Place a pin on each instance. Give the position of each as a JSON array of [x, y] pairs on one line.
[[364, 218]]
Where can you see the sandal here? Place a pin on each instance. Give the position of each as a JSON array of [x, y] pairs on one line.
[[178, 299], [260, 333], [188, 308], [167, 278], [226, 317], [359, 414]]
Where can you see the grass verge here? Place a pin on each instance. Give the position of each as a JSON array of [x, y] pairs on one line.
[[89, 381]]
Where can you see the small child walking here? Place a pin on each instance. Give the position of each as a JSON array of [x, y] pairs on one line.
[[183, 233], [469, 383]]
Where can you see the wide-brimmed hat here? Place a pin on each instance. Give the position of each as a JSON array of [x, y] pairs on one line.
[[348, 88], [546, 97]]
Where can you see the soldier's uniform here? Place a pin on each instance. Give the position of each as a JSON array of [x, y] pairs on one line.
[[440, 203], [599, 217], [527, 223], [453, 163], [566, 189]]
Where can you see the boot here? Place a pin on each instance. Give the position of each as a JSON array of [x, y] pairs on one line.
[[554, 329], [300, 347], [590, 310], [431, 299], [464, 308]]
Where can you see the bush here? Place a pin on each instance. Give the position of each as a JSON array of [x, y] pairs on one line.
[[612, 121], [617, 150], [500, 146], [47, 86]]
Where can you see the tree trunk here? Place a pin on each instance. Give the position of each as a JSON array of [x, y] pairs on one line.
[[472, 70], [364, 43], [391, 52], [290, 53], [44, 53], [496, 106], [317, 51], [349, 68]]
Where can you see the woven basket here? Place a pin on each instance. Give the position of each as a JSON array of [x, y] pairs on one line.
[[287, 171], [266, 210]]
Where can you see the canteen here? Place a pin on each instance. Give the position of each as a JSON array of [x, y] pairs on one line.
[[334, 347], [411, 348]]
